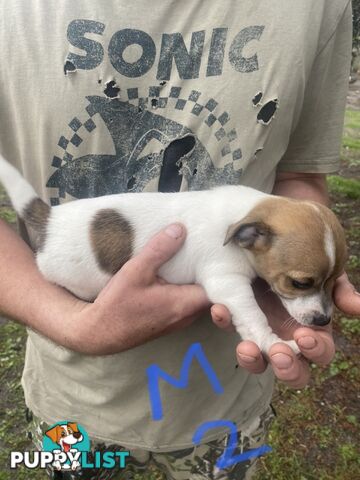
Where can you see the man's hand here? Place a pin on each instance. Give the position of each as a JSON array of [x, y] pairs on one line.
[[346, 298], [136, 305]]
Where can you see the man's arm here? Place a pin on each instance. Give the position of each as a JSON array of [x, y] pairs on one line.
[[135, 293], [311, 186], [315, 345]]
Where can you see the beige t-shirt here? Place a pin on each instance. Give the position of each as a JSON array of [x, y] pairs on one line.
[[100, 97]]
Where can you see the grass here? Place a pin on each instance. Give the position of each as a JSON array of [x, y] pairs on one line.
[[350, 326], [351, 140], [352, 121], [351, 143], [13, 434], [8, 215], [347, 187]]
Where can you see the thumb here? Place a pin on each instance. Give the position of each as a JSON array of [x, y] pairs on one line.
[[157, 251], [346, 298]]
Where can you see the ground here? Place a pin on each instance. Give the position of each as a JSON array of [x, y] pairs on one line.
[[316, 432]]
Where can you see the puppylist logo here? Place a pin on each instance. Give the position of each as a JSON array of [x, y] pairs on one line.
[[66, 446]]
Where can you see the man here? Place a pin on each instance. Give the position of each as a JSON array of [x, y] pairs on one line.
[[102, 97]]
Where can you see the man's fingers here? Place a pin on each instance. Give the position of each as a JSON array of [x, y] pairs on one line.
[[317, 346], [287, 367], [188, 300], [180, 325], [346, 298], [250, 357], [158, 250]]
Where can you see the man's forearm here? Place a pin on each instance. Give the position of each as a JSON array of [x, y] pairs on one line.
[[25, 295], [303, 186]]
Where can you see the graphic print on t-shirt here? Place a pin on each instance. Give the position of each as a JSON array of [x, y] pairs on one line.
[[167, 136], [133, 126]]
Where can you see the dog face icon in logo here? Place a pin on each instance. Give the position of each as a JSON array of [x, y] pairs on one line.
[[65, 435], [67, 441]]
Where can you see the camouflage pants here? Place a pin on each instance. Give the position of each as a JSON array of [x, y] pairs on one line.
[[195, 463]]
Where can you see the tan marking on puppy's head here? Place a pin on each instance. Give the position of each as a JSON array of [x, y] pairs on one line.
[[36, 215], [299, 249], [111, 237]]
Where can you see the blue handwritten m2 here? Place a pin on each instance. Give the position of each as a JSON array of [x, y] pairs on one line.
[[227, 459], [154, 373]]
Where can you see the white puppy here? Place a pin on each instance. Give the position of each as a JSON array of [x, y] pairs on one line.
[[234, 234]]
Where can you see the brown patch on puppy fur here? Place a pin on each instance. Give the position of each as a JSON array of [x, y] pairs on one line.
[[36, 215], [292, 246], [111, 237]]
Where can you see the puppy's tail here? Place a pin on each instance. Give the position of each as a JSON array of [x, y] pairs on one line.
[[24, 199]]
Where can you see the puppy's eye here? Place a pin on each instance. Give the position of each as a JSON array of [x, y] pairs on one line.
[[302, 285], [63, 434]]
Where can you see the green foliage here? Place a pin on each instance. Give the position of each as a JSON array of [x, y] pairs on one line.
[[344, 186], [352, 419], [350, 326], [352, 143], [351, 138], [8, 214], [352, 121], [13, 435], [348, 453]]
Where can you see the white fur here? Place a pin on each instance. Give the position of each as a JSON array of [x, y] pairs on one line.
[[304, 309], [19, 190], [330, 247]]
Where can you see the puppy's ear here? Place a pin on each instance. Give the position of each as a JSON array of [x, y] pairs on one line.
[[73, 426], [54, 433], [250, 235]]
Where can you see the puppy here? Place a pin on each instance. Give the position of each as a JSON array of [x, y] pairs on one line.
[[234, 234]]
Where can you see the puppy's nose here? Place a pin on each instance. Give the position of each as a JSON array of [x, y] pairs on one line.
[[77, 434], [320, 320]]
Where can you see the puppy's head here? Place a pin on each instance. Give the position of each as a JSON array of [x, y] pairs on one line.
[[299, 248]]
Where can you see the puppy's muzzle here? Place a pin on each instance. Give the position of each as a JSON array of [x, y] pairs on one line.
[[320, 320]]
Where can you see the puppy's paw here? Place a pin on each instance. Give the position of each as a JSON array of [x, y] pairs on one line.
[[275, 339]]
